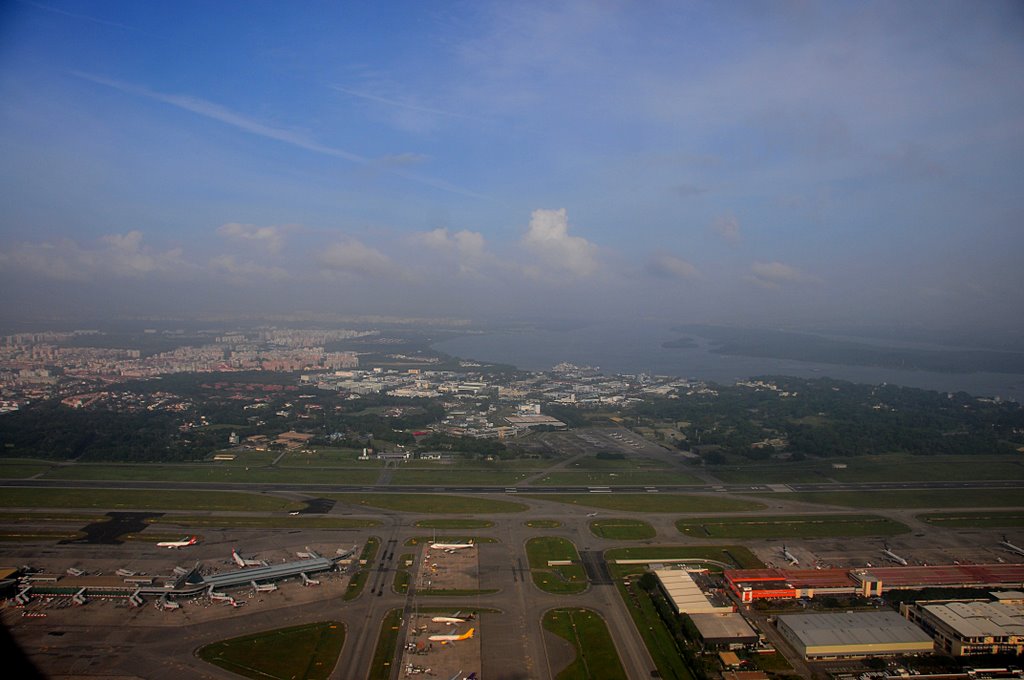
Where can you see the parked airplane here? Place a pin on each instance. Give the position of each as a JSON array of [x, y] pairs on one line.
[[445, 639], [242, 562], [451, 620], [1005, 543], [183, 543], [451, 547], [891, 556], [789, 556]]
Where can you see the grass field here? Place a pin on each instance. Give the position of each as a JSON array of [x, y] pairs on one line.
[[387, 641], [22, 469], [212, 472], [877, 468], [454, 523], [561, 580], [617, 478], [657, 638], [733, 554], [49, 517], [131, 499], [791, 526], [429, 503], [543, 523], [308, 651], [981, 520], [467, 477], [287, 522], [596, 658], [918, 498], [622, 529], [654, 502]]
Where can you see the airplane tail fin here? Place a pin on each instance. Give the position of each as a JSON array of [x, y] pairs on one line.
[[468, 634]]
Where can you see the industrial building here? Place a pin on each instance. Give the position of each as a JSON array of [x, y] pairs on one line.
[[756, 584], [853, 634], [728, 630], [966, 628], [685, 595]]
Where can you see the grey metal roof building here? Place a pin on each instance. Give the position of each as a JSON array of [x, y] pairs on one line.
[[964, 628], [853, 634], [729, 629]]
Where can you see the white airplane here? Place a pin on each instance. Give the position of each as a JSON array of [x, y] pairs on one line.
[[445, 639], [789, 556], [451, 620], [891, 556], [591, 514], [1005, 543], [242, 562], [451, 547], [183, 543]]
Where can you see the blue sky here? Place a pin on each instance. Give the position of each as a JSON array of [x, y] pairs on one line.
[[804, 164]]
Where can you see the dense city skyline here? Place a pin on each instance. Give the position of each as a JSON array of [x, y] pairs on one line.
[[763, 163]]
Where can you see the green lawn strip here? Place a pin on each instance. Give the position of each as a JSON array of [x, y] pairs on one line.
[[429, 503], [622, 529], [980, 520], [309, 651], [358, 580], [454, 523], [420, 540], [22, 470], [211, 473], [288, 522], [402, 580], [658, 640], [543, 523], [560, 580], [732, 554], [619, 478], [586, 631], [876, 468], [387, 641], [133, 499], [790, 526], [464, 477], [914, 498], [769, 663], [654, 502]]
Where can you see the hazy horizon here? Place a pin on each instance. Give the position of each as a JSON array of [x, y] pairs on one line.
[[800, 165]]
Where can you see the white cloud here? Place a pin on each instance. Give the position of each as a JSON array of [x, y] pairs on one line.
[[728, 227], [247, 270], [117, 256], [270, 238], [548, 238], [352, 257], [776, 274], [468, 248], [672, 267]]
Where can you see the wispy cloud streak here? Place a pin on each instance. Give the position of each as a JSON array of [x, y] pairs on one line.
[[224, 115]]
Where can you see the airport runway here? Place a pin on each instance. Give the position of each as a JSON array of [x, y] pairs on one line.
[[510, 490]]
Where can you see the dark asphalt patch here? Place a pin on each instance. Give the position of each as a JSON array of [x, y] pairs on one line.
[[596, 568], [318, 506], [110, 531]]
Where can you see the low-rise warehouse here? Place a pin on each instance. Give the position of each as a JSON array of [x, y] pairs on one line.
[[966, 628], [853, 634], [685, 595], [724, 630]]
